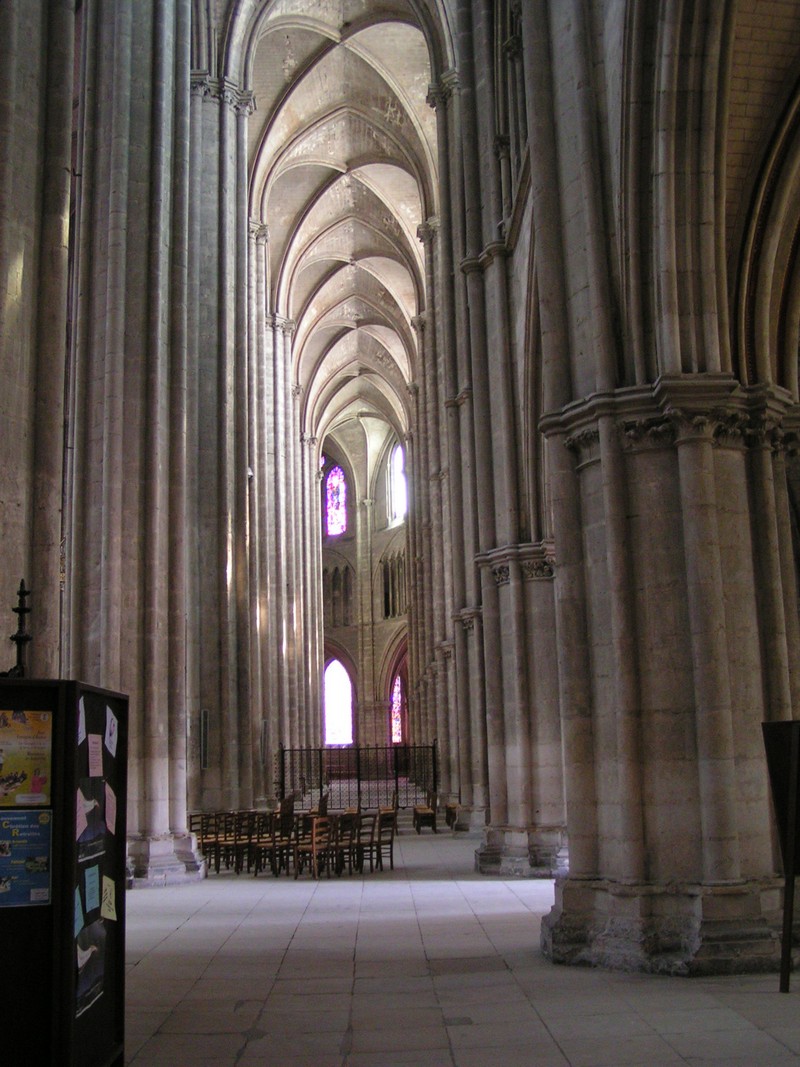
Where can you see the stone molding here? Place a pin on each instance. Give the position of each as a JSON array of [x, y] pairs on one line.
[[714, 408]]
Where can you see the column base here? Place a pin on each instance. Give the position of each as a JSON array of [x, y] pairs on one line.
[[686, 929], [529, 852], [166, 859]]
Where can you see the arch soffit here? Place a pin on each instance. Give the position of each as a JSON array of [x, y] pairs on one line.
[[768, 289]]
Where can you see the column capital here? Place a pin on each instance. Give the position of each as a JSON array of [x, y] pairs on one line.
[[441, 92], [278, 322], [502, 146], [259, 231], [427, 230], [419, 322], [512, 46], [242, 101]]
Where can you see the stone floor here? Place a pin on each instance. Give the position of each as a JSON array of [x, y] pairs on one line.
[[430, 965]]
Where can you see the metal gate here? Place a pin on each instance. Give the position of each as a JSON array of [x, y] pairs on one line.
[[365, 777]]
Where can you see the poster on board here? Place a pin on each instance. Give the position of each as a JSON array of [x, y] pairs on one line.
[[26, 739], [25, 858]]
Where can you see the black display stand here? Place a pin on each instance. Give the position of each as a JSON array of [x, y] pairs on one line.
[[782, 743], [63, 767]]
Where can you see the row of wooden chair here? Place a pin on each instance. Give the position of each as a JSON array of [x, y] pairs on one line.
[[288, 841]]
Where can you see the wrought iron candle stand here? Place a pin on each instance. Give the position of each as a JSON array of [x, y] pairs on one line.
[[21, 637]]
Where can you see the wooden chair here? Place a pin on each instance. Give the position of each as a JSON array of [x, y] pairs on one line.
[[262, 849], [285, 833], [314, 848], [384, 845], [204, 825], [244, 829], [391, 808], [425, 814], [345, 842], [367, 843], [225, 840]]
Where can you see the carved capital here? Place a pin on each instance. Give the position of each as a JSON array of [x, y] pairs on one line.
[[583, 440], [537, 568], [284, 326], [647, 433], [502, 573], [512, 46], [419, 321], [427, 231], [241, 101], [441, 93], [259, 231], [502, 146]]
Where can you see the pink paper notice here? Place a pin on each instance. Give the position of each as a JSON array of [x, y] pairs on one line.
[[95, 755]]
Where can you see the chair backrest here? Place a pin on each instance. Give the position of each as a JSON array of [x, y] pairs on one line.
[[367, 826], [320, 832], [286, 816], [347, 827], [386, 824]]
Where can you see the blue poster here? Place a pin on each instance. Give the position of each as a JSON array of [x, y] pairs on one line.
[[92, 888], [25, 849]]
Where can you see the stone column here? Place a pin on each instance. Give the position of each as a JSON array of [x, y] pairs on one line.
[[281, 518], [257, 489], [45, 578]]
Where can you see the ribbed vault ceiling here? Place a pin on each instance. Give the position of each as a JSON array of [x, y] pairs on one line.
[[342, 165]]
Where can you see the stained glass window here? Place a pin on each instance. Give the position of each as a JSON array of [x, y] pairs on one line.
[[396, 711], [335, 502], [338, 705]]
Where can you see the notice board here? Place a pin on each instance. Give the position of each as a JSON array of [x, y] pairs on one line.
[[63, 788]]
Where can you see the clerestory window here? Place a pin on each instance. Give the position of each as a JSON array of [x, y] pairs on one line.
[[335, 502]]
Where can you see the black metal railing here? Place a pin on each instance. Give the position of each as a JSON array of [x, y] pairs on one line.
[[366, 776]]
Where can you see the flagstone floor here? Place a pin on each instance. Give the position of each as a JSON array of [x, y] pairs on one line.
[[430, 965]]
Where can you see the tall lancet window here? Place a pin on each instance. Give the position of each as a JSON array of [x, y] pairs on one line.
[[338, 704], [335, 502], [396, 712], [398, 496]]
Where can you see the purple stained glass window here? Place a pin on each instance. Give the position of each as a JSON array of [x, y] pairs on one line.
[[396, 711], [335, 502]]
